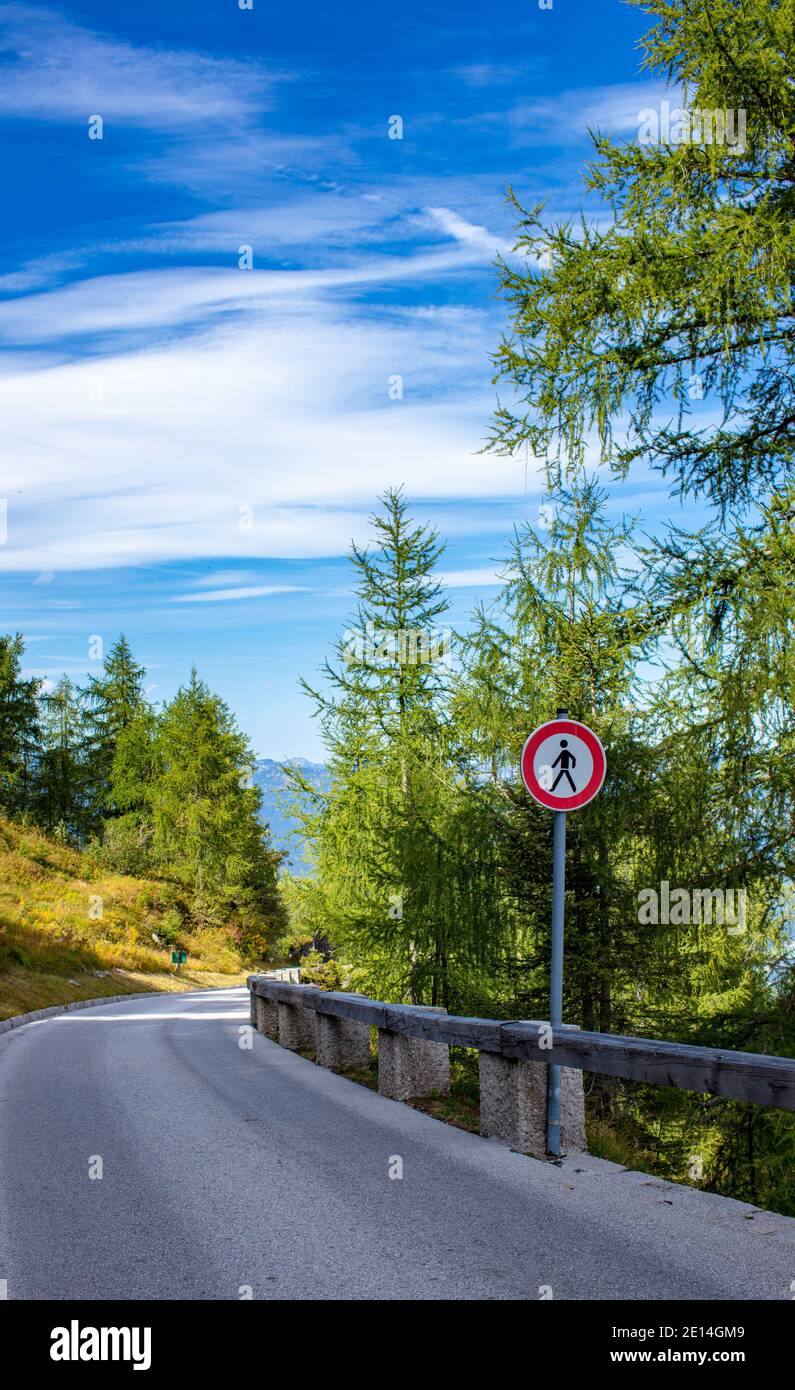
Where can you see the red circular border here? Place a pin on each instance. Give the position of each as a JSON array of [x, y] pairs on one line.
[[597, 752]]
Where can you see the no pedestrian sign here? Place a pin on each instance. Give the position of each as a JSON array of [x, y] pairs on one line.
[[563, 765]]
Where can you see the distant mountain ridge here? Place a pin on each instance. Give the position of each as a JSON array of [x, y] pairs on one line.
[[271, 779]]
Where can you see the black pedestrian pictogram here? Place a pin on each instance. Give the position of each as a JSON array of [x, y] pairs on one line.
[[566, 760]]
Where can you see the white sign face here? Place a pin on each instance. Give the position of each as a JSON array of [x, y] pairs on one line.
[[563, 765]]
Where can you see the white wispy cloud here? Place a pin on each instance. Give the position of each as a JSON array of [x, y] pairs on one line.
[[568, 117], [55, 70], [479, 239], [227, 579], [478, 577], [301, 220], [40, 272], [266, 436], [148, 299], [318, 227], [230, 595], [484, 74], [246, 158], [204, 412]]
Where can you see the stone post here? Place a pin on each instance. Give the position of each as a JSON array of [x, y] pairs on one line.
[[296, 1024], [410, 1067], [267, 1017], [513, 1104], [341, 1042]]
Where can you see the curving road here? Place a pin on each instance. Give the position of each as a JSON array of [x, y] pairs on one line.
[[227, 1170]]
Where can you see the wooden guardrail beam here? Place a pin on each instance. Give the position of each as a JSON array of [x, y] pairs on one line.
[[749, 1076]]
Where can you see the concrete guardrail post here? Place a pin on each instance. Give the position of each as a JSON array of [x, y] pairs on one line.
[[513, 1103], [412, 1066], [296, 1023], [266, 1016], [414, 1057], [341, 1042]]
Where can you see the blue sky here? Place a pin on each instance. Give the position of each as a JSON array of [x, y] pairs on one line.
[[188, 447]]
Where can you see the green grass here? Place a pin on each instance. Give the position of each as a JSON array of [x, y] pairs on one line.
[[461, 1107], [367, 1078]]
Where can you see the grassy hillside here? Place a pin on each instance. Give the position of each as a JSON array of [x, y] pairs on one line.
[[53, 950]]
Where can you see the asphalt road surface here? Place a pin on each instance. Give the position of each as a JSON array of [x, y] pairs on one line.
[[227, 1170]]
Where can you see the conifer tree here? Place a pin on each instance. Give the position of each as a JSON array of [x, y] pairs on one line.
[[664, 335], [115, 699], [690, 279], [204, 807], [398, 891], [570, 638], [19, 729], [61, 797]]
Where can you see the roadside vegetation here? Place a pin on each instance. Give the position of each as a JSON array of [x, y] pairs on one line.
[[656, 333], [53, 951], [126, 832]]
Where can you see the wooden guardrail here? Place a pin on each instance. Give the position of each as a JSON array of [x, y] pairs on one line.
[[514, 1057]]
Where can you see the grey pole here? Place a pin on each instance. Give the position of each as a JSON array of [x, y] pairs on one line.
[[556, 980]]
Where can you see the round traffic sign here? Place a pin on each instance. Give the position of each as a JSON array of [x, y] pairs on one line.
[[563, 765]]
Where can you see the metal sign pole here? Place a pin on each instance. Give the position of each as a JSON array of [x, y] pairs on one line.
[[556, 981], [556, 973], [575, 749]]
